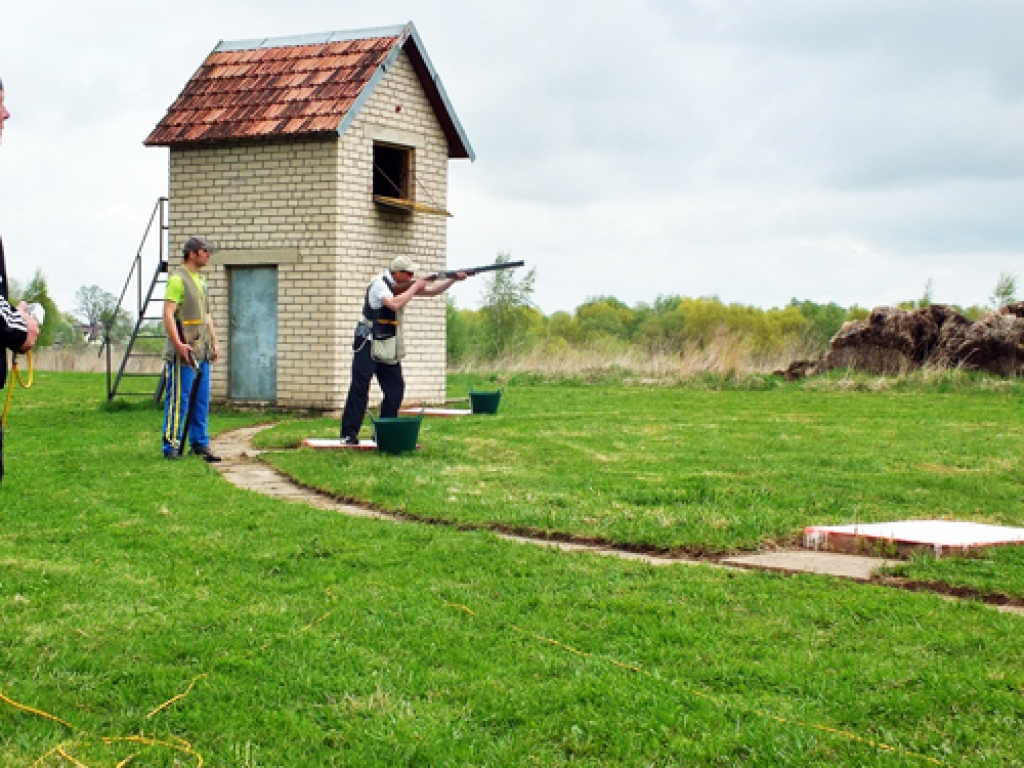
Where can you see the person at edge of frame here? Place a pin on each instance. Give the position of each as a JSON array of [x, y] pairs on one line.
[[187, 313], [18, 329], [379, 344]]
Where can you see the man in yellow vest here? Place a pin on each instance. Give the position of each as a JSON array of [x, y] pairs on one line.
[[191, 347]]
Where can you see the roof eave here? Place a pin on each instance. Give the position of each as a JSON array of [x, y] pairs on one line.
[[458, 141], [408, 38]]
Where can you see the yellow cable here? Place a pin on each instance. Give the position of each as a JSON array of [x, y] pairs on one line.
[[61, 750], [31, 370], [16, 376], [36, 712], [174, 699], [70, 759], [183, 747], [43, 758]]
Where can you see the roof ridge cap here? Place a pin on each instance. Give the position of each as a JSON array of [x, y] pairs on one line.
[[318, 38]]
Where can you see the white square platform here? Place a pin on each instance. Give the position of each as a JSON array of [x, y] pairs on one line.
[[944, 537]]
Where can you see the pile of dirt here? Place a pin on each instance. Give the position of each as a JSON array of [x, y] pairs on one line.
[[894, 341]]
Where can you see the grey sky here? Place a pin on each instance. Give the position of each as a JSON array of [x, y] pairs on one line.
[[758, 150]]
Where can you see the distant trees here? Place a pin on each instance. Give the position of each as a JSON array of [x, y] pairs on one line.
[[506, 310], [823, 320], [1005, 291], [94, 305], [671, 322], [98, 308], [508, 323], [94, 308], [37, 292]]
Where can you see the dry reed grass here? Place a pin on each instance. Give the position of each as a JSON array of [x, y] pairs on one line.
[[726, 355], [729, 357]]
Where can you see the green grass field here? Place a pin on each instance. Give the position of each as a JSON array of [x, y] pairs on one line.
[[678, 468], [313, 639]]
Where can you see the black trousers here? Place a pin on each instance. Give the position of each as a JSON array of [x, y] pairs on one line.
[[391, 382]]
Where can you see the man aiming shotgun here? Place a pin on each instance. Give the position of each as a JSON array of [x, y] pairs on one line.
[[379, 343], [191, 347]]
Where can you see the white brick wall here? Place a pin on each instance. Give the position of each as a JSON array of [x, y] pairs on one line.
[[373, 234], [313, 200]]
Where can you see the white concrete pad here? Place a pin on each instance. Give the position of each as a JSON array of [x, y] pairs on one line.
[[336, 444], [443, 412], [943, 536]]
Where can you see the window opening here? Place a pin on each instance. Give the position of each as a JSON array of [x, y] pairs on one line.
[[393, 181], [392, 169]]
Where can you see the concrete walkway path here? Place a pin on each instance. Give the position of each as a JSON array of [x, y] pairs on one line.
[[854, 567], [241, 467]]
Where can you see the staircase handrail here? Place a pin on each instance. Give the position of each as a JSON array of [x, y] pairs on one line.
[[136, 271]]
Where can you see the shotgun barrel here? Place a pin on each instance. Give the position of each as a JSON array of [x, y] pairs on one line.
[[450, 273]]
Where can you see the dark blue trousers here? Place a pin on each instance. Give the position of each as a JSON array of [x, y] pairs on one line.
[[392, 384]]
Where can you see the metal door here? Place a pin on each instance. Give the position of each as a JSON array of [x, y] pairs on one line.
[[253, 351]]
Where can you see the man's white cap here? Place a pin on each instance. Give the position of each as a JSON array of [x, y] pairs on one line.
[[402, 264]]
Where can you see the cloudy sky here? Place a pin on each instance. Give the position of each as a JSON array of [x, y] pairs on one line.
[[758, 150]]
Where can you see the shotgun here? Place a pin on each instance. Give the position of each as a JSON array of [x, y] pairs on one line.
[[470, 271], [196, 379], [450, 274]]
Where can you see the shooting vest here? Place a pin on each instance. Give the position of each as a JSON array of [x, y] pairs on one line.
[[192, 313], [387, 342]]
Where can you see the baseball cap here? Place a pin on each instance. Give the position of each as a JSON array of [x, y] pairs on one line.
[[197, 244], [402, 264]]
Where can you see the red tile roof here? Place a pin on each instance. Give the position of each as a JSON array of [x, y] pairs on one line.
[[288, 90]]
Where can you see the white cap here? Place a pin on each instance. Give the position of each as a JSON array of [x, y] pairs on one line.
[[402, 264]]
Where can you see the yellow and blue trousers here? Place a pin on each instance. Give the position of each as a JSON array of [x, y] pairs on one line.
[[180, 380]]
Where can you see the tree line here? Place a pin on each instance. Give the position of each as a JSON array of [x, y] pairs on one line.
[[95, 314], [508, 323]]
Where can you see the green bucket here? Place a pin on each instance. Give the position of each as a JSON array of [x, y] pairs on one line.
[[484, 402], [397, 435]]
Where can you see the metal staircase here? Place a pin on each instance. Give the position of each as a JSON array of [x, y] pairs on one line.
[[140, 267]]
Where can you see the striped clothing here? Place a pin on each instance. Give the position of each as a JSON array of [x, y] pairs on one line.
[[12, 325], [12, 336]]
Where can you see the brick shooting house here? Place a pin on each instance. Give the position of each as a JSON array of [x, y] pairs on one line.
[[312, 162]]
